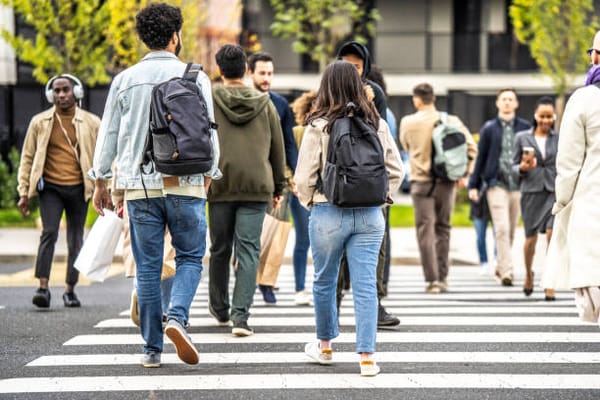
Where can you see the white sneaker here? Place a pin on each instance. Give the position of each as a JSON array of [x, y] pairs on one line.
[[322, 356], [302, 298], [369, 368]]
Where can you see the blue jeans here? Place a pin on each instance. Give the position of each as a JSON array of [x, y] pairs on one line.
[[166, 286], [186, 219], [481, 232], [358, 231], [300, 216]]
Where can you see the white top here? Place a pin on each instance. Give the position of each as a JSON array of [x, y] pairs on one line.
[[541, 143]]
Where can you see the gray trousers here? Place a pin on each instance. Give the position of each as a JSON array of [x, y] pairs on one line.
[[432, 220]]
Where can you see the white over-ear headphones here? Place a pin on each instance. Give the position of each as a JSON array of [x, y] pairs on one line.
[[77, 87]]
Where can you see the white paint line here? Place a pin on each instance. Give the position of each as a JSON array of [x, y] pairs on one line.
[[504, 295], [382, 337], [297, 381], [406, 320], [349, 310], [339, 357]]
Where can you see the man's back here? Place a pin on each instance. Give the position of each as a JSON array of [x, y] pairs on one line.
[[416, 132], [252, 158]]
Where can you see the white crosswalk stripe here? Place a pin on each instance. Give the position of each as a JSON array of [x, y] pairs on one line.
[[470, 330]]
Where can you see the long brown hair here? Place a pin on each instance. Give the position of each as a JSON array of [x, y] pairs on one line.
[[341, 85]]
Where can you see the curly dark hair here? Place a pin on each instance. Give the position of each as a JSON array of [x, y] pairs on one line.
[[231, 59], [156, 24], [341, 85]]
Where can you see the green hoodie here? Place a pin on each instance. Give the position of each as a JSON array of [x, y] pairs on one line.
[[252, 154]]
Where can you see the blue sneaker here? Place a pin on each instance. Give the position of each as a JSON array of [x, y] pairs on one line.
[[268, 295]]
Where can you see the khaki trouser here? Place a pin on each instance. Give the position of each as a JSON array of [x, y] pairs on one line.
[[505, 209], [432, 220]]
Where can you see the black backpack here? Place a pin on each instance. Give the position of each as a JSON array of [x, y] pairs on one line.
[[179, 141], [354, 174]]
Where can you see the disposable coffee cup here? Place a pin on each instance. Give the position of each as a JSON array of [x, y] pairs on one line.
[[528, 150]]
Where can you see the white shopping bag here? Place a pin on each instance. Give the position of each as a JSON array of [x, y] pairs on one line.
[[96, 255]]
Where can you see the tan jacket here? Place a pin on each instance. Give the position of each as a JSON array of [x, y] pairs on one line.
[[33, 156], [313, 155], [416, 131]]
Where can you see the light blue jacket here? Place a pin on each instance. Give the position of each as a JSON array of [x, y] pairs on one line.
[[126, 118]]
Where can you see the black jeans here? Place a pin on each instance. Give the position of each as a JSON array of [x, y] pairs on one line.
[[53, 200]]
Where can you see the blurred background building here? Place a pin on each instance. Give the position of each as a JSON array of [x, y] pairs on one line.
[[465, 48]]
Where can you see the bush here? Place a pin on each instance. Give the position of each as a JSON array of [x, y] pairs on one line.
[[8, 180]]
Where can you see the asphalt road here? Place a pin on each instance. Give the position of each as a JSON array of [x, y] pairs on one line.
[[478, 341]]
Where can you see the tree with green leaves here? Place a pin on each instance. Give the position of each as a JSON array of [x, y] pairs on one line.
[[557, 32], [70, 37], [317, 26]]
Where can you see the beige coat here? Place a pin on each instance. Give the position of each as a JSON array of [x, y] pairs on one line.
[[33, 156], [416, 131], [313, 155], [574, 251]]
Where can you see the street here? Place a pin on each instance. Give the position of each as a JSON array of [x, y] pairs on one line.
[[479, 340]]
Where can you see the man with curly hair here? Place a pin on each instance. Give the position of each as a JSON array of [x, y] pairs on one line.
[[158, 201]]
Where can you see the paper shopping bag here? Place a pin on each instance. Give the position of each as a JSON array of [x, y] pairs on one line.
[[273, 241], [96, 255]]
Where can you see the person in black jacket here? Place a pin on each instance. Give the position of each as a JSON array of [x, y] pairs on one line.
[[358, 55], [493, 168]]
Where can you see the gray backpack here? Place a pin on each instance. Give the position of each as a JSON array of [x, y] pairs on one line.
[[179, 141], [449, 151]]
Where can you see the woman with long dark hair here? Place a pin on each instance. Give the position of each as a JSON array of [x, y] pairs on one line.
[[534, 159], [333, 230]]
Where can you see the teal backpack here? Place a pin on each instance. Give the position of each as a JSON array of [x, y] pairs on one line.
[[449, 151]]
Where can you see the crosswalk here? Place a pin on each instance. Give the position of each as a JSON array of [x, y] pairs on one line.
[[479, 335]]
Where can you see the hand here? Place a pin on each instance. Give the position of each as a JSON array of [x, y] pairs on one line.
[[461, 183], [474, 195], [101, 197], [120, 209], [369, 92], [277, 200], [294, 188], [207, 182], [23, 205], [528, 162]]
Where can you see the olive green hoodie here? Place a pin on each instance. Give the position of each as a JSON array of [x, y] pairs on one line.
[[252, 154]]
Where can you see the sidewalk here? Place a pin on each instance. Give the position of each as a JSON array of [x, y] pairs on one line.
[[19, 246]]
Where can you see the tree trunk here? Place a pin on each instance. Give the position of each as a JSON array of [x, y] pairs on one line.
[[560, 108]]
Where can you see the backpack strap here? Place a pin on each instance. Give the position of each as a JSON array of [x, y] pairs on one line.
[[191, 72]]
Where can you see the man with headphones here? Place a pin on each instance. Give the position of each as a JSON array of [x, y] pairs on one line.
[[57, 153]]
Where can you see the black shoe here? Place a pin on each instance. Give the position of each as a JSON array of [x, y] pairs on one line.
[[41, 298], [71, 300], [385, 319], [268, 295], [527, 291], [223, 320], [241, 328]]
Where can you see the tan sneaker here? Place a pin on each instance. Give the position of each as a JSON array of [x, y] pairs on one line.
[[433, 288]]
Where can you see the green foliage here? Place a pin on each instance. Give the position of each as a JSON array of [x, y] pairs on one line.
[[402, 216], [317, 26], [70, 37], [8, 180], [557, 32]]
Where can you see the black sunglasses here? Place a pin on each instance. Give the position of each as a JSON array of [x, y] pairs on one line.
[[590, 51]]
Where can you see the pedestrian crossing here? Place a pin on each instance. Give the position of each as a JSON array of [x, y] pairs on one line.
[[479, 335]]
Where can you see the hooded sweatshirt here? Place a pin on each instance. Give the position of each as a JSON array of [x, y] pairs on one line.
[[362, 52], [252, 154]]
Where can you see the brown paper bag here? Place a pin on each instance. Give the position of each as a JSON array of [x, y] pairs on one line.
[[273, 240]]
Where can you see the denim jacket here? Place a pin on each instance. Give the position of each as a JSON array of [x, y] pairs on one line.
[[126, 119]]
